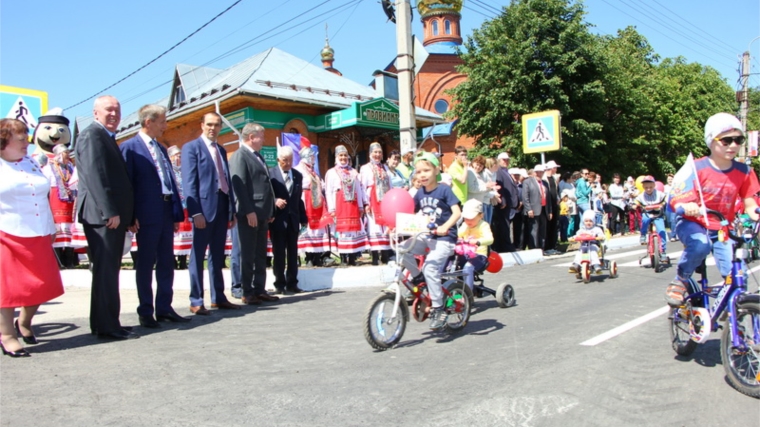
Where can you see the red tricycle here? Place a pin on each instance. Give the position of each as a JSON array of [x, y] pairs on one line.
[[587, 248]]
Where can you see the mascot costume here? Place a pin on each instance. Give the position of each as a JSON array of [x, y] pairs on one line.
[[52, 136]]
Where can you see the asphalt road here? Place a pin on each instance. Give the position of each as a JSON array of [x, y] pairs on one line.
[[304, 362]]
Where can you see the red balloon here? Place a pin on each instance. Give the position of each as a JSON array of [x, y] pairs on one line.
[[495, 263], [659, 186], [396, 201]]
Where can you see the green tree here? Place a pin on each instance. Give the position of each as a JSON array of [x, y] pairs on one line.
[[536, 56]]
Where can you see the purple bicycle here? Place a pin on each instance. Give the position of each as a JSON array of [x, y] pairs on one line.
[[732, 305]]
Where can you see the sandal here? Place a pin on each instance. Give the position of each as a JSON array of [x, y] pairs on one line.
[[674, 294]]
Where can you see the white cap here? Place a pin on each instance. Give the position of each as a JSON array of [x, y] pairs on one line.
[[407, 151], [720, 123], [551, 164], [471, 209], [503, 156], [539, 168], [523, 173], [514, 171]]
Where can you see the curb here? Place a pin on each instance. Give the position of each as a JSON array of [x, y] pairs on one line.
[[314, 279]]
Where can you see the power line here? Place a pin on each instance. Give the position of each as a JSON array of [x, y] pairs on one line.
[[477, 11], [159, 56], [487, 7], [700, 32]]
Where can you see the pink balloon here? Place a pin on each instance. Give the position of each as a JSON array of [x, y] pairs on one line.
[[396, 201], [659, 186]]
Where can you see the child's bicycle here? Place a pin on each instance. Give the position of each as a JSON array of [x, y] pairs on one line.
[[586, 248], [654, 243], [504, 293], [692, 323], [388, 313]]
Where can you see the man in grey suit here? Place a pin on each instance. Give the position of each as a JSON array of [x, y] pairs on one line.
[[105, 208], [537, 207], [255, 209]]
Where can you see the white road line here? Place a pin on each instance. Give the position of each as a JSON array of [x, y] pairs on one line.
[[612, 333], [626, 327], [611, 256]]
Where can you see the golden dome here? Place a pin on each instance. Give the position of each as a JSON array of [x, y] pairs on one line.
[[434, 7]]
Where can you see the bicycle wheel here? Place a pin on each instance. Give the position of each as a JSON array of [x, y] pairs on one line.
[[585, 272], [680, 338], [655, 257], [381, 329], [613, 270], [505, 295], [457, 305], [742, 364]]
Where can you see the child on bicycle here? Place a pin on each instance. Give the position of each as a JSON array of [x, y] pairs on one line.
[[476, 232], [652, 204], [722, 180], [588, 228], [441, 206]]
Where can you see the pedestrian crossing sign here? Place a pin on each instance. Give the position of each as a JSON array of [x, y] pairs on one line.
[[26, 105], [541, 132]]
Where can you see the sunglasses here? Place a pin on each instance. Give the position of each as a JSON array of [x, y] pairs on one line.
[[727, 140]]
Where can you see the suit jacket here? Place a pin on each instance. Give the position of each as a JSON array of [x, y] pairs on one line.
[[294, 213], [104, 187], [253, 190], [531, 196], [553, 192], [199, 180], [149, 208], [508, 190]]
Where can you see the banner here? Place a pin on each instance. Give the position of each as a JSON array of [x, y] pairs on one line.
[[752, 143], [296, 141]]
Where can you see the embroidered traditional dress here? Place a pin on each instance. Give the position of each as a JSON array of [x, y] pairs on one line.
[[375, 178], [345, 198], [62, 179], [316, 238]]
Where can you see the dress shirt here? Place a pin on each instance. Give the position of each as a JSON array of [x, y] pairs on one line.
[[212, 148], [162, 166]]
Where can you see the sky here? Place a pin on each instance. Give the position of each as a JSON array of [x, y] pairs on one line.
[[76, 49]]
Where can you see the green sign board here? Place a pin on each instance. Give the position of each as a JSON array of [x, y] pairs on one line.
[[238, 119], [377, 113], [270, 155]]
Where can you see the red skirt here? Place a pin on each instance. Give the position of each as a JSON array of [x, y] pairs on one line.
[[375, 205], [314, 215], [62, 211], [28, 271]]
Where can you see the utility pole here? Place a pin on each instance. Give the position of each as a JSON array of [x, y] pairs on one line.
[[744, 99], [405, 67]]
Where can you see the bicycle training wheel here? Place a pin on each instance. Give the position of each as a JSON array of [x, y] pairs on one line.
[[457, 305], [742, 364], [381, 329], [680, 338], [505, 295]]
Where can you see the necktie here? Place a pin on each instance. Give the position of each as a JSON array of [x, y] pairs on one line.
[[261, 160], [158, 159], [219, 169], [288, 182]]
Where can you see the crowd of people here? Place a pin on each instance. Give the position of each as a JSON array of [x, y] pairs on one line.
[[188, 202]]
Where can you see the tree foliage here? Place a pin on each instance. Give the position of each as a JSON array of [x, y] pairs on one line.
[[623, 110]]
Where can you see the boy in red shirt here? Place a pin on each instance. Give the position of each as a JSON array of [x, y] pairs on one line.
[[723, 180]]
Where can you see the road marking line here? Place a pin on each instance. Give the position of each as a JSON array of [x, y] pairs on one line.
[[612, 333], [625, 327]]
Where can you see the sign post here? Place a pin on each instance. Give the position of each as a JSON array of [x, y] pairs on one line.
[[541, 133]]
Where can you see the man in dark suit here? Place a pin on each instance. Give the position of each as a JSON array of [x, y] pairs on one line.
[[211, 206], [289, 217], [105, 208], [552, 232], [503, 213], [536, 207], [158, 212], [255, 208]]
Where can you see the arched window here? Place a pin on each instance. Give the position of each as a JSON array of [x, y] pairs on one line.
[[447, 26], [435, 28]]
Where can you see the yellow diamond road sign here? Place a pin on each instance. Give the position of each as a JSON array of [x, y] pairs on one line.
[[541, 132]]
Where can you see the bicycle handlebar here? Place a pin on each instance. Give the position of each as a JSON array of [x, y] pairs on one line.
[[680, 211]]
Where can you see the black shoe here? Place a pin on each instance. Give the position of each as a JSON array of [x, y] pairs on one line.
[[127, 328], [149, 322], [172, 317], [31, 339], [18, 353], [418, 279], [279, 291], [118, 336], [295, 290]]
